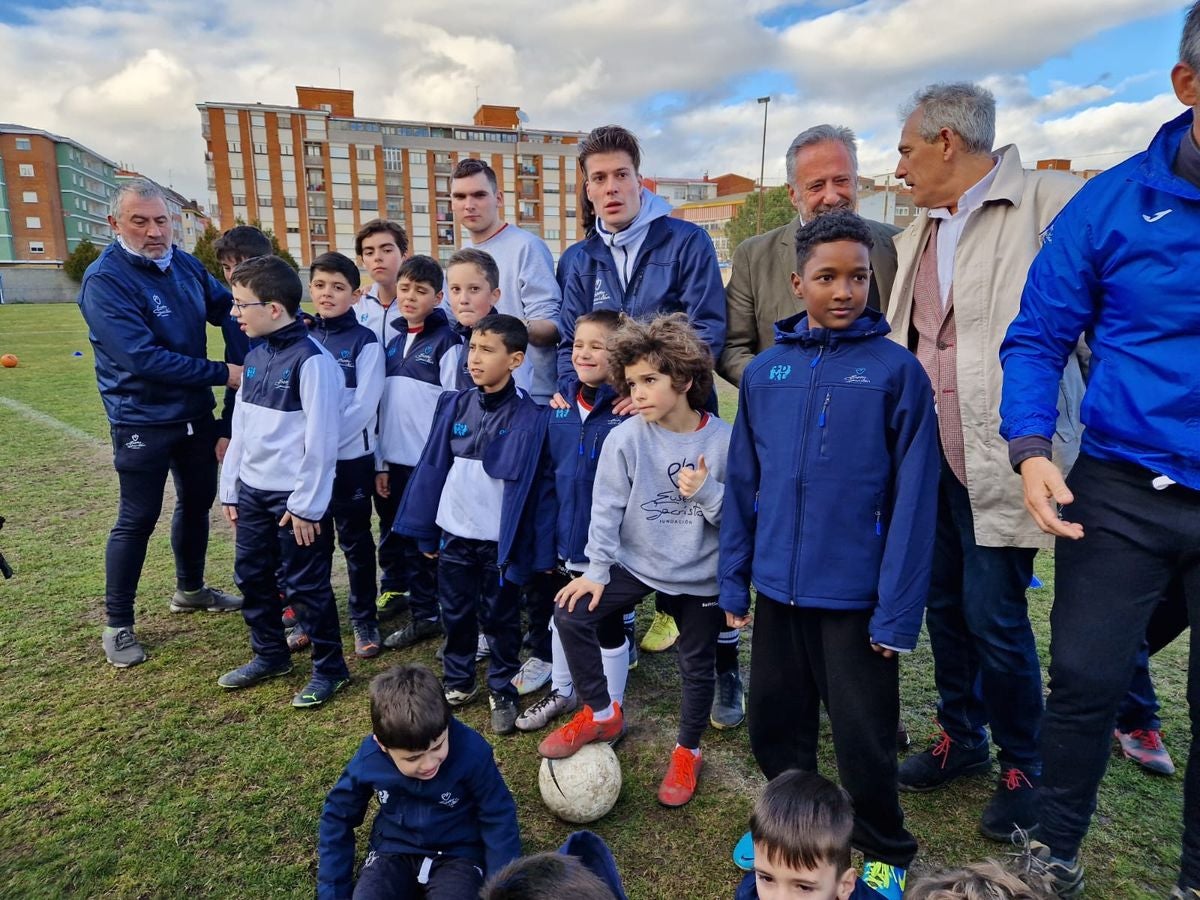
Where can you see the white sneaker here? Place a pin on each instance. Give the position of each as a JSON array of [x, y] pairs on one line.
[[547, 710], [482, 650], [533, 676]]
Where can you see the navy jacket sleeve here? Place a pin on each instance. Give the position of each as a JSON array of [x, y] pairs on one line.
[[345, 806], [739, 517], [121, 327], [572, 308], [907, 563], [545, 516], [416, 516], [497, 816], [1057, 306], [703, 293]]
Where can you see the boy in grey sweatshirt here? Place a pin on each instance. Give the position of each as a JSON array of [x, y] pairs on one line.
[[656, 513]]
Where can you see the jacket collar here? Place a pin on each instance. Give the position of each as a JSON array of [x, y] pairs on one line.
[[462, 330], [1155, 169], [796, 330], [656, 235], [605, 394], [1009, 183], [344, 322], [435, 320], [493, 401], [287, 335]]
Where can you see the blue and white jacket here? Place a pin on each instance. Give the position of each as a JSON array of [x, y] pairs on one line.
[[360, 357], [414, 381], [1119, 265], [464, 811], [478, 479], [675, 270], [574, 444], [380, 320], [285, 423], [831, 495], [148, 331]]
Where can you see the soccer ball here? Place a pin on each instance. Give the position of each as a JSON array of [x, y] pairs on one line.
[[9, 361], [583, 787]]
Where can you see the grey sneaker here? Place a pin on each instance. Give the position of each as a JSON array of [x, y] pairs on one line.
[[482, 648], [532, 676], [367, 643], [504, 713], [547, 710], [729, 703], [413, 633], [122, 648], [258, 669], [207, 598], [1065, 878]]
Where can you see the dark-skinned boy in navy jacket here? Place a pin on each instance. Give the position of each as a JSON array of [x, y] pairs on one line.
[[474, 503], [446, 818], [830, 512]]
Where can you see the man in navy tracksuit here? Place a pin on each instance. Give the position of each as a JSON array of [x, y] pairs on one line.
[[830, 514], [147, 304], [1118, 265], [277, 481], [471, 502]]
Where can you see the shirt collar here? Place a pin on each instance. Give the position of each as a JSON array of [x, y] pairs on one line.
[[972, 197]]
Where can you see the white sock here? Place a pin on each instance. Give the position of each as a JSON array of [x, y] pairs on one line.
[[695, 752], [616, 670], [605, 714], [560, 672]]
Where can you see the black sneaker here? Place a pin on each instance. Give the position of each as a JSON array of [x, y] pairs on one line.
[[413, 633], [1066, 878], [252, 673], [504, 714], [729, 701], [207, 598], [1013, 810], [940, 764], [121, 647], [318, 691]]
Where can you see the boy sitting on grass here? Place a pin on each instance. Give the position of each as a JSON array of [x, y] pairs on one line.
[[446, 818], [656, 508], [277, 481]]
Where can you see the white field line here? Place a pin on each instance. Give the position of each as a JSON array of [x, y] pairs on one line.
[[57, 424]]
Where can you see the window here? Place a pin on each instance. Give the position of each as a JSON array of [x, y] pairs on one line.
[[365, 177], [25, 170], [550, 162], [33, 221], [264, 202], [366, 153], [37, 247], [340, 177], [393, 159], [29, 196], [369, 205], [339, 151], [260, 148], [552, 234], [258, 120], [23, 144], [416, 156], [422, 183], [239, 200], [902, 210], [286, 150], [236, 173], [234, 146]]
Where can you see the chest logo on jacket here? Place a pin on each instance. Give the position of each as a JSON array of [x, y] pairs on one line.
[[600, 295], [859, 377], [284, 380], [251, 371], [460, 429], [779, 373], [448, 799], [162, 310], [383, 797]]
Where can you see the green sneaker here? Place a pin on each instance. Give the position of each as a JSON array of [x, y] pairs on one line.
[[391, 603], [884, 879], [662, 634], [318, 691]]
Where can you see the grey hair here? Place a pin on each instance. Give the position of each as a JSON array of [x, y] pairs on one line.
[[143, 188], [1189, 44], [964, 108], [816, 135]]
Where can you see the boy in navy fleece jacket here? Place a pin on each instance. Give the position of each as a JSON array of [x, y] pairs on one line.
[[830, 512], [446, 817]]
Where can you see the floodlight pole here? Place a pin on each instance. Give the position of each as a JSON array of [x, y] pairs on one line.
[[762, 166]]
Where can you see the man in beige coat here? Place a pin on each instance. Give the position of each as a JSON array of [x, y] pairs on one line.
[[822, 174], [960, 270]]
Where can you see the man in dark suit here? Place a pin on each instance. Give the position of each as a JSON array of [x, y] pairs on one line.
[[822, 174]]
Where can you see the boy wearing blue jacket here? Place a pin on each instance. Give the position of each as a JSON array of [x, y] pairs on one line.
[[472, 505], [420, 363], [277, 481], [446, 818], [830, 514]]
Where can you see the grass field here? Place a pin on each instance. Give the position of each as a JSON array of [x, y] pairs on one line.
[[152, 782]]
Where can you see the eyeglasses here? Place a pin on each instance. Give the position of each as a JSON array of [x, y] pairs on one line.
[[241, 306]]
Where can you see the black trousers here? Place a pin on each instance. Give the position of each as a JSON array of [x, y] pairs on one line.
[[700, 620], [142, 456], [394, 876], [1107, 586], [262, 548], [803, 657], [353, 487], [391, 576], [400, 560], [470, 586]]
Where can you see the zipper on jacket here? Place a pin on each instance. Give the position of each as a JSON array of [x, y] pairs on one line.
[[812, 383], [366, 441], [879, 522], [822, 420]]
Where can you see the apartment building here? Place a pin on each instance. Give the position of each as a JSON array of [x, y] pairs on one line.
[[54, 193], [314, 173], [710, 203]]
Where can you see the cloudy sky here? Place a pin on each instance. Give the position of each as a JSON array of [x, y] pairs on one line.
[[1082, 79]]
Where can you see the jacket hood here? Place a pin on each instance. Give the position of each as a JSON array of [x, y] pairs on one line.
[[653, 207], [796, 330], [1155, 169]]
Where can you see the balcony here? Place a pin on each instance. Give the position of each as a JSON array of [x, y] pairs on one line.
[[442, 168], [318, 187], [527, 171]]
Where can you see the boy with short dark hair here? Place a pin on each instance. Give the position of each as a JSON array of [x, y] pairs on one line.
[[382, 246], [277, 481], [473, 290], [831, 514], [656, 508], [238, 244], [472, 504], [333, 287], [421, 362], [801, 827], [583, 868], [446, 819]]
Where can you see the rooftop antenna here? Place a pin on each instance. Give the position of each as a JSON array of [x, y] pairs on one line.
[[339, 68]]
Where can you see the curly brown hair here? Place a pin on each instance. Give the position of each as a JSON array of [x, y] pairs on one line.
[[671, 345]]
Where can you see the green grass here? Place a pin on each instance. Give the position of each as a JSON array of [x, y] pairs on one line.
[[152, 782]]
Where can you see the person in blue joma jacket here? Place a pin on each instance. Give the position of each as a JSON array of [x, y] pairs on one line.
[[1119, 266], [147, 304]]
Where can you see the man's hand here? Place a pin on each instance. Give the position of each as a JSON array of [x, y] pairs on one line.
[[558, 402], [623, 407], [222, 446], [429, 555], [883, 651], [690, 480], [1044, 486], [304, 531], [578, 589], [542, 332], [383, 484], [732, 620], [235, 376], [230, 511]]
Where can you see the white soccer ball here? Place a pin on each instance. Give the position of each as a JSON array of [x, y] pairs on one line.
[[583, 787]]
